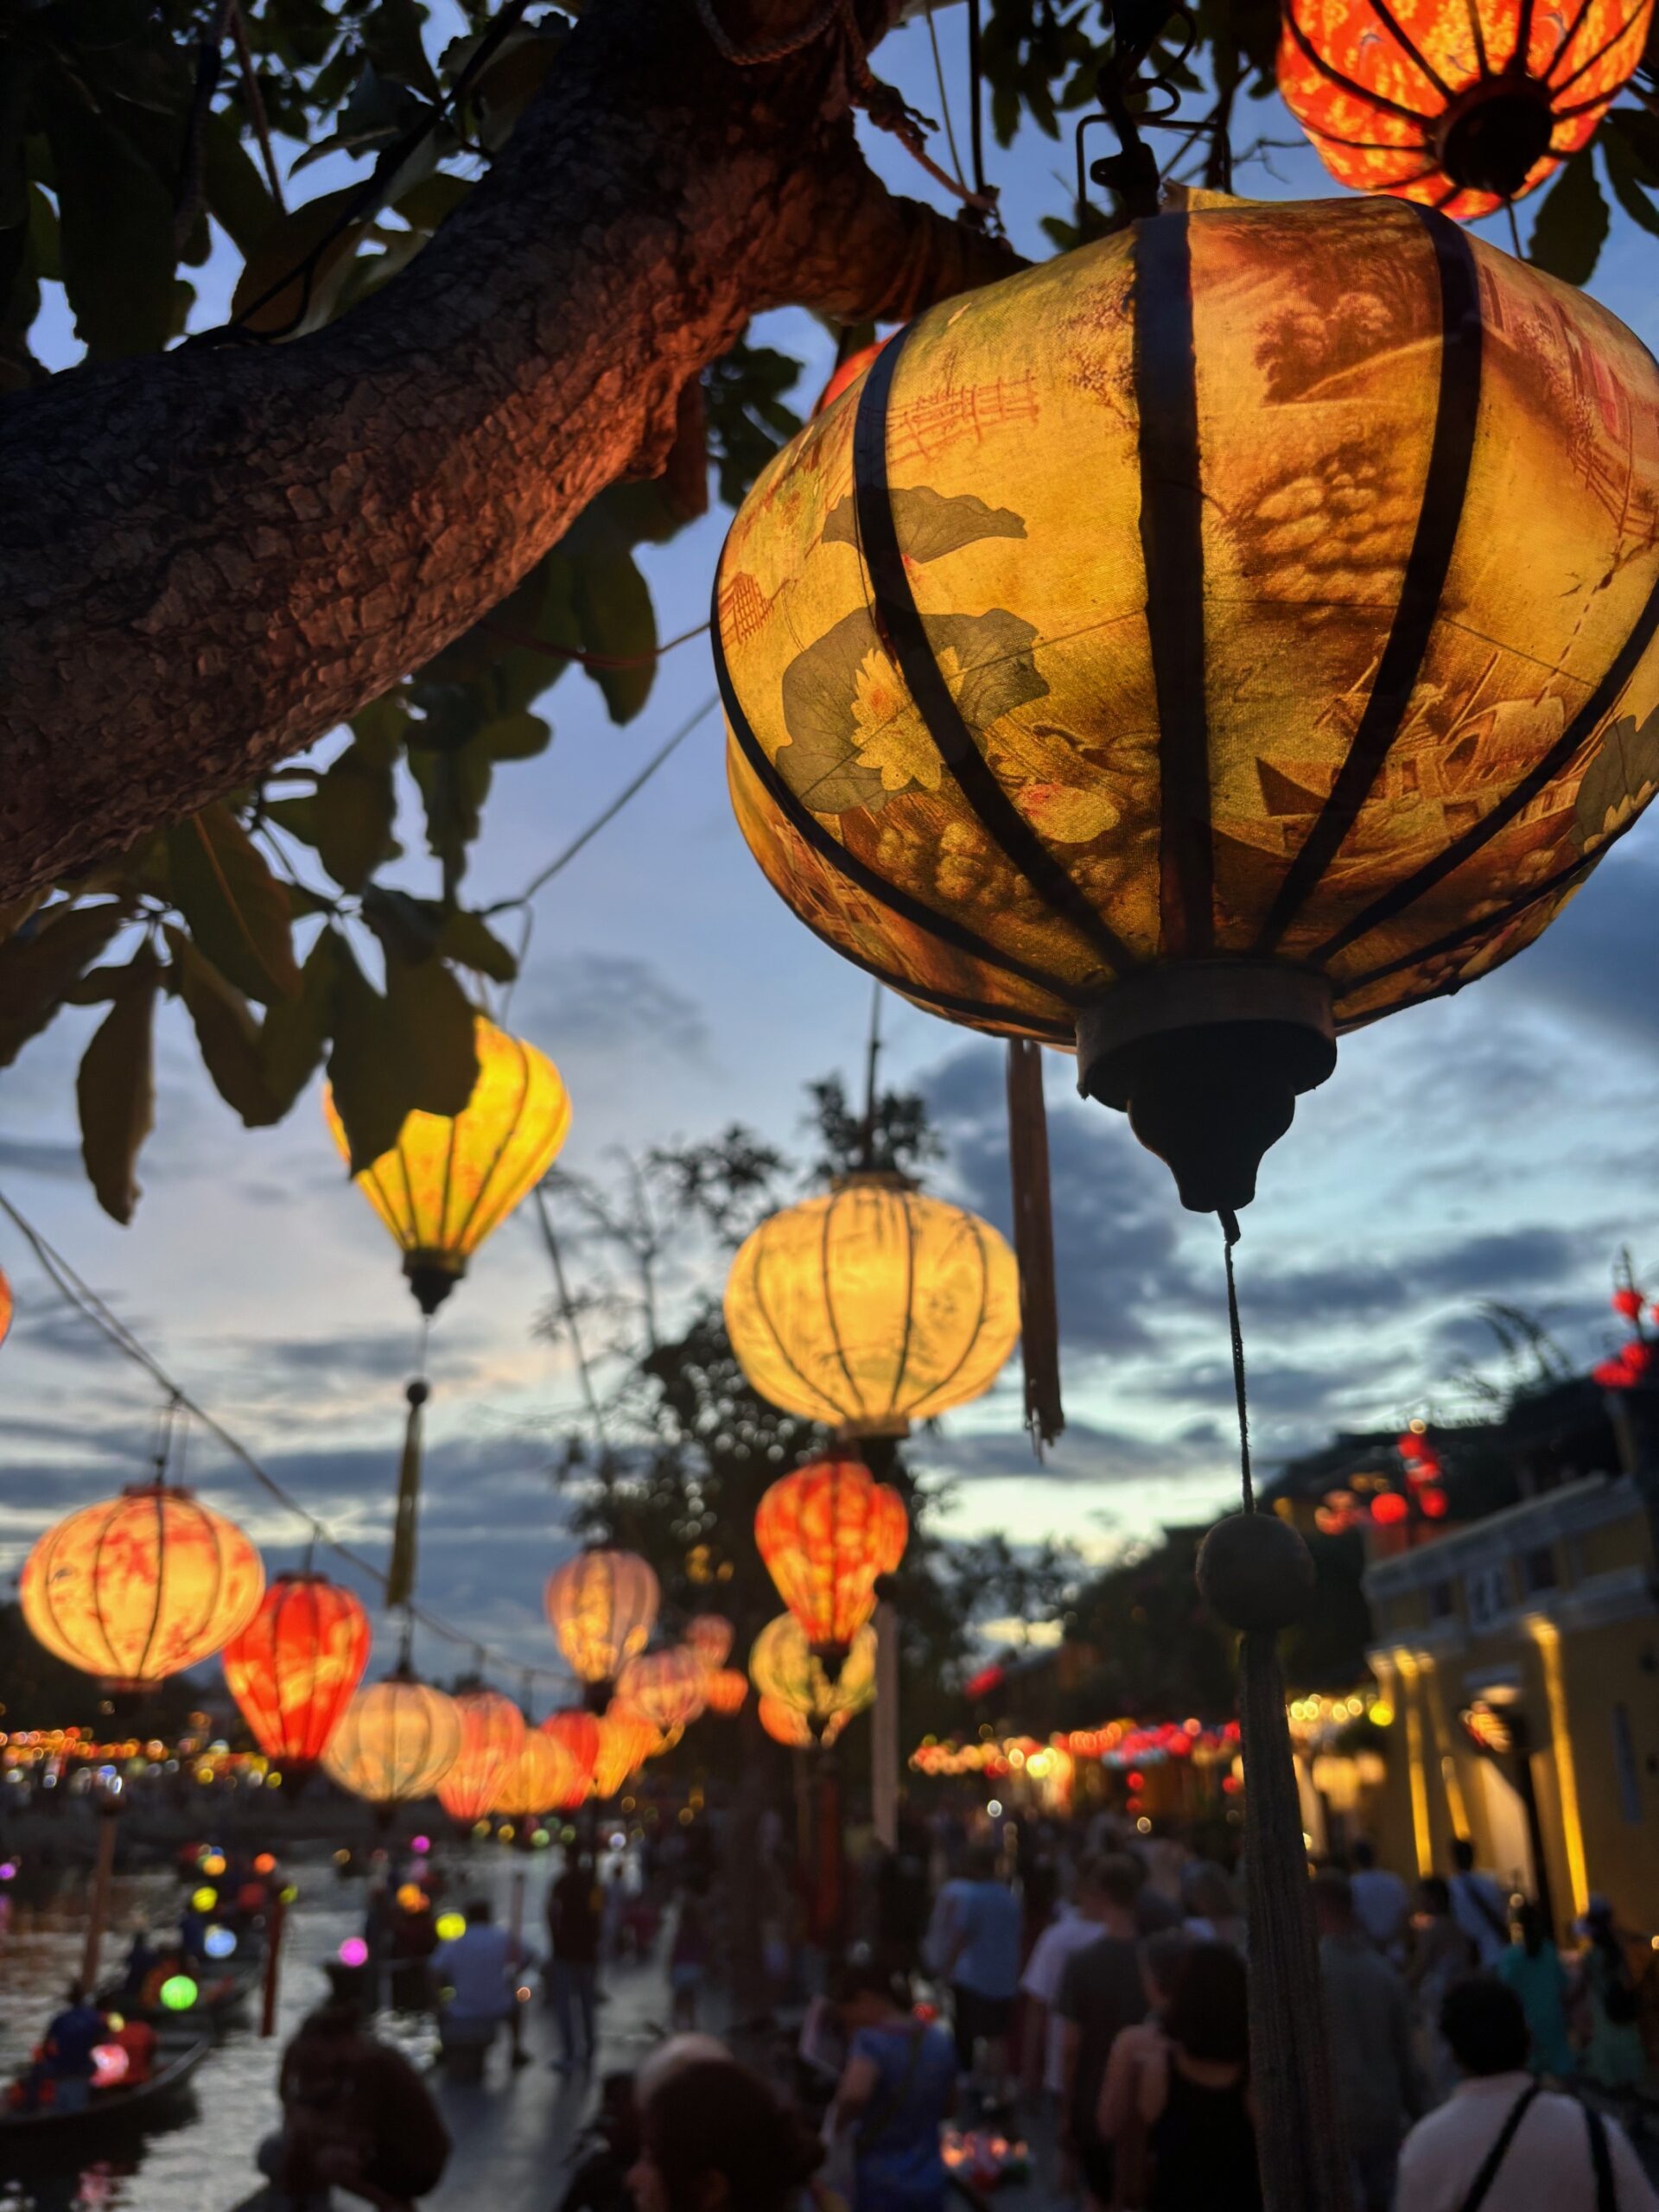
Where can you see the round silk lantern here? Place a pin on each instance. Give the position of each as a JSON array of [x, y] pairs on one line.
[[543, 1776], [491, 1737], [709, 1634], [1459, 104], [577, 1733], [626, 1740], [785, 1725], [396, 1742], [293, 1668], [784, 1665], [873, 1306], [667, 1686], [1168, 653], [602, 1606], [725, 1689], [449, 1180], [141, 1586], [826, 1533]]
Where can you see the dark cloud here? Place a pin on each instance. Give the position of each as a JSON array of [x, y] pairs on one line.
[[604, 1001], [1594, 964], [42, 1156], [1086, 1453]]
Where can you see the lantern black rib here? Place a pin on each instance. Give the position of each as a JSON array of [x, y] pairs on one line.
[[905, 633], [788, 1360], [1332, 75], [972, 1336], [1523, 38], [857, 872], [1367, 146], [1600, 55], [497, 1157], [1473, 14], [1409, 48], [1566, 45], [149, 1645], [853, 1383], [1445, 481], [1172, 547], [1485, 927], [1600, 703], [910, 1293]]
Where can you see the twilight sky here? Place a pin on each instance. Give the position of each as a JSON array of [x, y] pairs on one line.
[[1500, 1146]]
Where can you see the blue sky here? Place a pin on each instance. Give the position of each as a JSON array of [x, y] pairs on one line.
[[1503, 1145]]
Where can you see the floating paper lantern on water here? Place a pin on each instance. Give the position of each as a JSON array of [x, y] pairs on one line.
[[293, 1668]]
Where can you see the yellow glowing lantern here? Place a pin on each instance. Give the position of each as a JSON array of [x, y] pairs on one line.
[[709, 1634], [827, 1533], [627, 1739], [449, 1180], [396, 1742], [491, 1737], [783, 1665], [543, 1776], [726, 1688], [1167, 652], [785, 1725], [602, 1606], [873, 1306], [668, 1687], [141, 1586]]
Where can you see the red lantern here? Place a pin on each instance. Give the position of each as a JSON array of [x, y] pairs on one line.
[[491, 1737], [578, 1732], [709, 1634], [1388, 1509], [627, 1739], [293, 1669], [826, 1532], [667, 1686], [848, 372], [1627, 1301], [1433, 1503]]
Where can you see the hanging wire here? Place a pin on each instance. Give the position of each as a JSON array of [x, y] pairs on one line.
[[944, 98], [527, 645], [567, 1315], [73, 1289], [1229, 1232]]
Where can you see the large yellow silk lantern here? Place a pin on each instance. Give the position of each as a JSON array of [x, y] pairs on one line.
[[826, 1533], [784, 1665], [491, 1737], [668, 1687], [1203, 643], [627, 1739], [396, 1742], [602, 1606], [141, 1586], [542, 1776], [873, 1306], [449, 1180]]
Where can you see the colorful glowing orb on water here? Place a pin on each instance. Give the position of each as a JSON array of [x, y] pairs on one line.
[[203, 1900], [419, 1843], [450, 1924], [264, 1864], [178, 1992], [413, 1898], [212, 1862], [110, 2063], [8, 1870], [353, 1952], [219, 1942]]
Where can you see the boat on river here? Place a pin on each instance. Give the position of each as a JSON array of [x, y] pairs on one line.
[[220, 2001], [112, 2114]]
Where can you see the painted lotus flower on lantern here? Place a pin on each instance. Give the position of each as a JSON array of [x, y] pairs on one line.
[[141, 1586], [784, 1665], [602, 1606], [491, 1737], [396, 1741], [1459, 104], [450, 1180], [826, 1533], [667, 1686], [1203, 644], [293, 1668], [873, 1306]]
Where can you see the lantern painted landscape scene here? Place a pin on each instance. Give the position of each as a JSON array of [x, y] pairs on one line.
[[828, 1267]]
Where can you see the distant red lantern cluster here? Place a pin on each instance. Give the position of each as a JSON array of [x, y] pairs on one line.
[[1637, 1362]]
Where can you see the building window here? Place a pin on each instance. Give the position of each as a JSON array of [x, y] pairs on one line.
[[1629, 1788], [1442, 1601], [1538, 1569], [1487, 1589]]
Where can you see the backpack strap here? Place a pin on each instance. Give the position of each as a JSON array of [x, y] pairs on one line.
[[1499, 2150], [1601, 2158]]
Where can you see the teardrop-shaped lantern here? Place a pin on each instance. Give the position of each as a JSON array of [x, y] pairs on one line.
[[667, 1686], [602, 1606], [709, 1634], [785, 1725], [873, 1308], [396, 1742], [577, 1733], [784, 1665], [626, 1740], [449, 1180], [1459, 104], [726, 1688], [542, 1778], [293, 1668], [491, 1737], [1168, 651], [141, 1586], [826, 1533]]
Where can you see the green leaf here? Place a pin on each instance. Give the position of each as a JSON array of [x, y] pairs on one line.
[[380, 728], [412, 1050], [1572, 224], [354, 809], [468, 940], [392, 35], [1636, 129], [453, 783], [299, 301], [237, 910], [115, 1089], [613, 603], [515, 737], [39, 965], [435, 1026], [407, 927], [115, 220], [296, 1030], [1623, 174], [226, 1032], [237, 196]]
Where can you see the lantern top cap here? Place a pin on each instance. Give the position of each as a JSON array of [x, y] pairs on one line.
[[874, 1179]]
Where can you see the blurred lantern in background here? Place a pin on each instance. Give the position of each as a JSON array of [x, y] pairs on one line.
[[783, 1666], [667, 1686], [873, 1308], [396, 1741], [577, 1731], [491, 1737], [602, 1606], [785, 1725], [726, 1688], [826, 1533], [141, 1586], [543, 1775], [1389, 1509], [627, 1739], [5, 1305], [293, 1669], [450, 1180], [1459, 104], [709, 1634]]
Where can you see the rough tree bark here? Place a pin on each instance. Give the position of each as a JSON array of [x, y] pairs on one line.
[[210, 557]]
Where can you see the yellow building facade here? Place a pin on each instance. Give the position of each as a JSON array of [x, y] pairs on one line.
[[1519, 1655]]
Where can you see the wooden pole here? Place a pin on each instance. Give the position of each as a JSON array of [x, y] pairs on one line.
[[98, 1911], [276, 1924], [884, 1728]]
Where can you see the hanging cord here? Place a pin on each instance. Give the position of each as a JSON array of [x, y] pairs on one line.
[[567, 1315], [945, 97], [522, 644], [256, 100], [872, 1054], [976, 116], [1229, 1232]]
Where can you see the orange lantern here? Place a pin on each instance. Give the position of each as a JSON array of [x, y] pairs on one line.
[[491, 1737], [578, 1733], [543, 1776], [667, 1686], [709, 1634], [626, 1740], [602, 1606], [1459, 104], [725, 1689], [5, 1305], [394, 1741], [785, 1725], [826, 1532], [141, 1586], [785, 1666], [293, 1668]]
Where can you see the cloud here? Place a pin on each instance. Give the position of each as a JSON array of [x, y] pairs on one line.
[[1087, 1452], [1593, 964], [609, 1003], [61, 1162]]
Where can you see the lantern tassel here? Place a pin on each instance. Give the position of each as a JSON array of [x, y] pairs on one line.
[[1034, 1242], [400, 1574]]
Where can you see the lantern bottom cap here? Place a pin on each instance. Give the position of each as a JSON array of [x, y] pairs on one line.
[[1492, 136], [431, 1276], [1208, 1059]]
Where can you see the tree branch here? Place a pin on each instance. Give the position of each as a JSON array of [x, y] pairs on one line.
[[209, 557]]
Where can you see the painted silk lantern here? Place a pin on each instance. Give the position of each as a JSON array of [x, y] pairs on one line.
[[293, 1668], [491, 1737], [827, 1533]]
